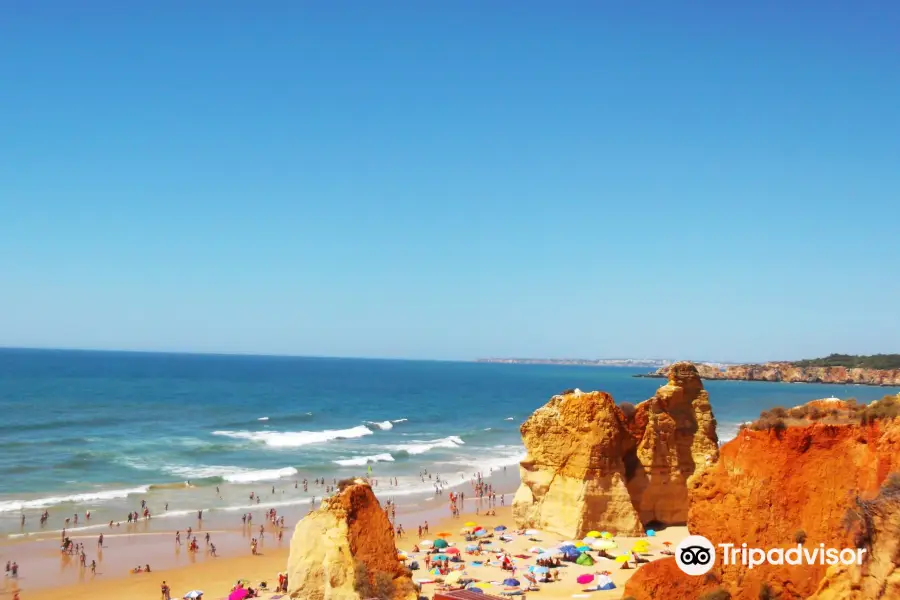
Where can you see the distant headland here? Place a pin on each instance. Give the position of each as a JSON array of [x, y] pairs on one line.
[[590, 362], [878, 369]]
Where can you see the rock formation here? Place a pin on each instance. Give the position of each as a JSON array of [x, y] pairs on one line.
[[787, 372], [592, 466], [345, 550], [770, 489]]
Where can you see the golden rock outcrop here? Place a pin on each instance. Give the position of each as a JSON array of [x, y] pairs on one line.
[[345, 550], [592, 466]]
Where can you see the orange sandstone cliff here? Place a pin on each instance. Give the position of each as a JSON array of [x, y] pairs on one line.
[[345, 550], [788, 373], [770, 489], [592, 466]]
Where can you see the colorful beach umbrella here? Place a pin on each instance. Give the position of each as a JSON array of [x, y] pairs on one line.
[[586, 578], [624, 558], [584, 548], [435, 571], [500, 528], [605, 545], [511, 582], [606, 535], [193, 594], [440, 557], [480, 533], [470, 524], [651, 533], [540, 570], [593, 534], [444, 534], [440, 543], [453, 578], [451, 551]]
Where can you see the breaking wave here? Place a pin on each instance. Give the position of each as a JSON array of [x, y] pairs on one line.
[[364, 460], [294, 439], [98, 496], [421, 447]]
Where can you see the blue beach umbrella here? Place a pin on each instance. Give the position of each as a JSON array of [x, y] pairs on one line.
[[540, 570], [511, 582], [500, 528], [584, 548], [651, 533], [480, 533], [440, 557]]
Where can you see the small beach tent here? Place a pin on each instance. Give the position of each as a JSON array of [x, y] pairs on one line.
[[440, 543], [571, 553], [584, 559], [605, 583]]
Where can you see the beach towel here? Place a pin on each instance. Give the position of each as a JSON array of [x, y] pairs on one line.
[[421, 581]]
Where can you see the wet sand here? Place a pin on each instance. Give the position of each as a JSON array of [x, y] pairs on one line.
[[45, 573]]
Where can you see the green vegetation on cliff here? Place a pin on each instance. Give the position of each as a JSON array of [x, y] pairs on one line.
[[876, 361]]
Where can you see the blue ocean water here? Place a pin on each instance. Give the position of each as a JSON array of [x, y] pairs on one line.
[[91, 428]]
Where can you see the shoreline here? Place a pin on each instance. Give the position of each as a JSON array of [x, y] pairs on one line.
[[153, 542], [748, 380]]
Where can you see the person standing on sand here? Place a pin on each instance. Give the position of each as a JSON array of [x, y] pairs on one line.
[[100, 541], [177, 538], [164, 588]]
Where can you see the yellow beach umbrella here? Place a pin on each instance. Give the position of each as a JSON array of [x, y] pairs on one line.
[[640, 546], [593, 534], [606, 535], [482, 585], [623, 558], [470, 524], [453, 578]]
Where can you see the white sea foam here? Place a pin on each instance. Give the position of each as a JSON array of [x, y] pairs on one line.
[[83, 498], [421, 447], [399, 421], [260, 475], [383, 425], [364, 460], [229, 473], [509, 419], [293, 439], [727, 431], [263, 419]]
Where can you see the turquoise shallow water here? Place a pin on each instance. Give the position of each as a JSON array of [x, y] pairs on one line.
[[96, 429]]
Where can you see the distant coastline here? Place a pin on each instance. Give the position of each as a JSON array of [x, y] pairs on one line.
[[654, 363], [806, 371]]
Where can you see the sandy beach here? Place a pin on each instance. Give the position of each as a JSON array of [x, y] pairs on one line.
[[59, 578], [519, 548]]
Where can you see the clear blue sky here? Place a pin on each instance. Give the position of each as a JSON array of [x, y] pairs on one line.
[[451, 179]]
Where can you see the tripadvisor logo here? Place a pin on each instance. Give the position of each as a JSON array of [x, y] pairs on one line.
[[696, 555]]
